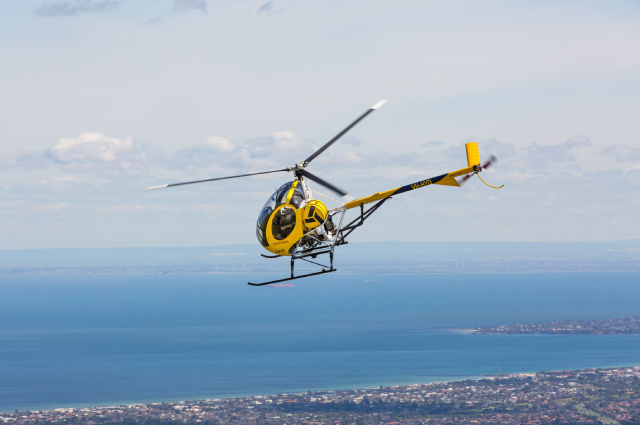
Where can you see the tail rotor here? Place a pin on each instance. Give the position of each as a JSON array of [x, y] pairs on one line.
[[473, 160]]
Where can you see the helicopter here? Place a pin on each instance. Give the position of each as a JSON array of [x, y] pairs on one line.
[[294, 224]]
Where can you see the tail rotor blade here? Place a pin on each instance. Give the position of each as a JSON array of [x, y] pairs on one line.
[[323, 182], [464, 179], [377, 105], [211, 180], [492, 159]]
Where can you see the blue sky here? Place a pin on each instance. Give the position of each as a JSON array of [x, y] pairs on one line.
[[102, 98]]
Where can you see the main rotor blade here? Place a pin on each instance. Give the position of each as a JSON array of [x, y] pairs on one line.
[[210, 180], [323, 182], [339, 135]]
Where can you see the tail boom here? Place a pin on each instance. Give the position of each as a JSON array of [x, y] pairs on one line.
[[447, 179]]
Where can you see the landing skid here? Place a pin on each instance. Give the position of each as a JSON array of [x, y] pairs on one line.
[[303, 255], [292, 278]]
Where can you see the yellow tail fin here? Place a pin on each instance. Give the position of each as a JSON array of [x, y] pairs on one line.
[[473, 154]]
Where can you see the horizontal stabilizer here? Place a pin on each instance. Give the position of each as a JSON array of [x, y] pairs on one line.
[[449, 181]]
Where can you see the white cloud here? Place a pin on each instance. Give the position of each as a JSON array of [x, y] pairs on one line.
[[544, 193], [287, 139], [58, 181], [51, 207], [27, 160], [269, 8], [12, 204], [280, 149], [535, 156], [622, 153], [96, 150], [180, 6], [348, 158], [219, 144], [72, 8]]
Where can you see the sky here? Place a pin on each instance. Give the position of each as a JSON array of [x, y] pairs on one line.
[[103, 98]]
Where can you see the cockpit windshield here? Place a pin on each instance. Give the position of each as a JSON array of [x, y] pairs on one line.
[[279, 197], [297, 196]]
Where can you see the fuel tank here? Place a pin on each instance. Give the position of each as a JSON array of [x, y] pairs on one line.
[[314, 213]]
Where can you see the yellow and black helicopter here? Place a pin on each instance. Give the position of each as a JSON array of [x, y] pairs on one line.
[[293, 224]]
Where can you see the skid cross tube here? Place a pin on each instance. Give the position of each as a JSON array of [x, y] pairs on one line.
[[313, 262], [313, 252]]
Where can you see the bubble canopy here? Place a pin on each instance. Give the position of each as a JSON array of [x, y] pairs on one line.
[[290, 193]]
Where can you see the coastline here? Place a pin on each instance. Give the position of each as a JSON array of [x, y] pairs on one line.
[[232, 396], [301, 392], [567, 396]]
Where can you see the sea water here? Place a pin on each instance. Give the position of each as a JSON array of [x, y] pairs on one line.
[[112, 339]]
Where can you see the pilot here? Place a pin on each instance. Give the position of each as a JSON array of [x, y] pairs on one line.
[[283, 222]]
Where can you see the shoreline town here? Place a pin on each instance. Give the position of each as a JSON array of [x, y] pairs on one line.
[[610, 396], [622, 326]]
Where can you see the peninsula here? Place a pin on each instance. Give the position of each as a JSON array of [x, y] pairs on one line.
[[627, 325]]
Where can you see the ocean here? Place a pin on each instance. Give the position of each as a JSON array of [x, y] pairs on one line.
[[86, 340]]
